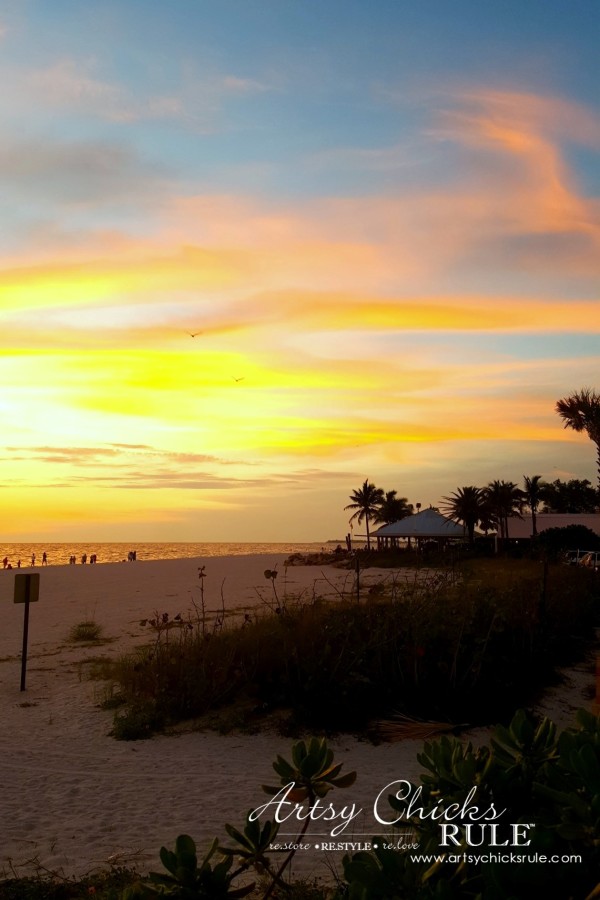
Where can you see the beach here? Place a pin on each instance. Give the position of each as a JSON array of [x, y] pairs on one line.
[[74, 800]]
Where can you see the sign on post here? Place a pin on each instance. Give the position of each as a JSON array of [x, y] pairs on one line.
[[27, 590]]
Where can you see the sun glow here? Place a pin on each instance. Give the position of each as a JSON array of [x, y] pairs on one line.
[[237, 313]]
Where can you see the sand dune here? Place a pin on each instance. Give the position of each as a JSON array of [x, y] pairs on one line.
[[74, 799]]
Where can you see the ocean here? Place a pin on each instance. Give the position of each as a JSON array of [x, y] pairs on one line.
[[59, 554]]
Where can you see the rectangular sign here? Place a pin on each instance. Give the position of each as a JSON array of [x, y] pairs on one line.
[[27, 588]]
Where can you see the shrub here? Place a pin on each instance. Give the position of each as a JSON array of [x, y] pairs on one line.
[[555, 541], [140, 721], [460, 652], [550, 782]]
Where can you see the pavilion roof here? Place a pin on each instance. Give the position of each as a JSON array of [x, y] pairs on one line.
[[429, 523]]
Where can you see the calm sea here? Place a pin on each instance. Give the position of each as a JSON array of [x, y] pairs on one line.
[[59, 554]]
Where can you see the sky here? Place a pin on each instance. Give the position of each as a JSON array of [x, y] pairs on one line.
[[380, 221]]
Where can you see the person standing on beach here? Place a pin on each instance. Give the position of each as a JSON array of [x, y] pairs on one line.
[[44, 558], [33, 559], [5, 562]]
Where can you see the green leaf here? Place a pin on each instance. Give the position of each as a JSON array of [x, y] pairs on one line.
[[239, 837], [185, 844], [168, 859], [345, 780]]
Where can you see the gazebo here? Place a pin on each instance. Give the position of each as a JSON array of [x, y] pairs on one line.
[[427, 525]]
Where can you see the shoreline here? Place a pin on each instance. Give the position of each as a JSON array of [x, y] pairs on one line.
[[75, 800], [59, 553]]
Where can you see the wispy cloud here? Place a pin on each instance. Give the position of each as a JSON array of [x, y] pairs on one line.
[[314, 304], [77, 86], [71, 84], [105, 455], [538, 194], [516, 212], [78, 173]]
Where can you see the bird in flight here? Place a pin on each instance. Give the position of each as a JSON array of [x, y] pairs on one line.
[[195, 334], [238, 379]]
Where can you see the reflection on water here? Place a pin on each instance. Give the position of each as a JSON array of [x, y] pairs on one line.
[[59, 554]]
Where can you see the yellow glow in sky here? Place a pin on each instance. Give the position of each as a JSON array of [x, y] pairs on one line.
[[216, 324]]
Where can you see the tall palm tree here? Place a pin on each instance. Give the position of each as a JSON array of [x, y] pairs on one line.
[[581, 412], [366, 501], [504, 499], [533, 494], [466, 505], [392, 508]]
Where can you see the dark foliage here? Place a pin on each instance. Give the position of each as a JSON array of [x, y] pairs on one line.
[[556, 541], [453, 651], [572, 497]]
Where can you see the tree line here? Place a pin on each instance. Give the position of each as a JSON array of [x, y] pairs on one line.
[[491, 506]]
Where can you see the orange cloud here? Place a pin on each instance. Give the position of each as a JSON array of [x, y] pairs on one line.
[[544, 195], [516, 209], [494, 314]]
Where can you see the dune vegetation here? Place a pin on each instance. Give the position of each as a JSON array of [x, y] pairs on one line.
[[463, 645]]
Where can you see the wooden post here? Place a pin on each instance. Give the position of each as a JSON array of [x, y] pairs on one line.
[[27, 590]]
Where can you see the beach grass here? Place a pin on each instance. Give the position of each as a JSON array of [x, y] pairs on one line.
[[453, 649], [88, 631]]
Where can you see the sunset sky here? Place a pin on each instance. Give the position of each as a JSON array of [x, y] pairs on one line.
[[381, 220]]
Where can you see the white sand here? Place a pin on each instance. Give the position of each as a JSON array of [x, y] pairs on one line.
[[75, 800]]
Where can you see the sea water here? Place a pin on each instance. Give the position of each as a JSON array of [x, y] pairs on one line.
[[59, 554]]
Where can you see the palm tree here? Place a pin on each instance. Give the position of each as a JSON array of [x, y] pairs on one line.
[[466, 505], [581, 412], [504, 499], [533, 494], [366, 500], [392, 508]]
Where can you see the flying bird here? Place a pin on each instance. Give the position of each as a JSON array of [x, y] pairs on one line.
[[195, 334], [238, 379]]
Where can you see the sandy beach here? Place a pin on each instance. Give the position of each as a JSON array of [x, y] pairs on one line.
[[75, 800]]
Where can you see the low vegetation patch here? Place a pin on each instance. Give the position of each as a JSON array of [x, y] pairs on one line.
[[86, 632], [466, 651]]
